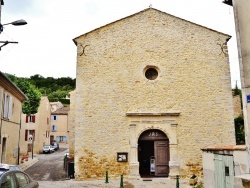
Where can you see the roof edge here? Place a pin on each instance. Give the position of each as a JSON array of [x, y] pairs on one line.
[[22, 97], [74, 40]]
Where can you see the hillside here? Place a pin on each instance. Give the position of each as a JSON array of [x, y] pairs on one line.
[[55, 88]]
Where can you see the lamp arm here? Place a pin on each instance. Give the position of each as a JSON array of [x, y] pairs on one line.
[[1, 28]]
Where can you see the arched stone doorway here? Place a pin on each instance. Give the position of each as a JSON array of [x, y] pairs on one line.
[[153, 154]]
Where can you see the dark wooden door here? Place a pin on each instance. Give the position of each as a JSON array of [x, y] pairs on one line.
[[161, 150]]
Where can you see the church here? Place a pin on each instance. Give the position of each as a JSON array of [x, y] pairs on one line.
[[152, 90]]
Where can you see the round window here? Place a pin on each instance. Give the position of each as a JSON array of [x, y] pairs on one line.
[[151, 73]]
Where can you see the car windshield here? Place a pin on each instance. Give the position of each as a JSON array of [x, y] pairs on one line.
[[46, 147], [13, 167]]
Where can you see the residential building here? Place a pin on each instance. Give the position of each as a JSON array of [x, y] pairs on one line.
[[11, 98], [56, 105], [59, 125], [152, 89], [35, 129]]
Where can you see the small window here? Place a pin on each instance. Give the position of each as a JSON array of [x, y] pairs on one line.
[[226, 171], [54, 128], [30, 118], [54, 117], [151, 73]]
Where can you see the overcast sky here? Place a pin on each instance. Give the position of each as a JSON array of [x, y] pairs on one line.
[[45, 44]]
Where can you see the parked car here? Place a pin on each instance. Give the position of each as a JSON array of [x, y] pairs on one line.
[[6, 167], [14, 167], [55, 146], [48, 149], [16, 178]]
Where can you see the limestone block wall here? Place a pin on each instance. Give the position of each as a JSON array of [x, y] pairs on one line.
[[193, 79], [237, 106], [71, 128]]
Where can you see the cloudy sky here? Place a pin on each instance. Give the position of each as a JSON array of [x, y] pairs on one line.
[[45, 44]]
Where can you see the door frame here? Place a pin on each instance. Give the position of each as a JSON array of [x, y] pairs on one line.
[[156, 135]]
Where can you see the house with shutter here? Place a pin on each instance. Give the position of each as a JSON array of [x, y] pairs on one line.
[[59, 125], [11, 98], [152, 90], [35, 129]]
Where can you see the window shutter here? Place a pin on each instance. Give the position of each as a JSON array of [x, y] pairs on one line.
[[55, 128], [27, 118], [10, 108], [64, 138], [57, 138], [5, 106], [26, 135], [2, 105], [33, 118]]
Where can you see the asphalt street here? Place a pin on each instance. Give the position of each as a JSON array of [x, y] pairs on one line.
[[49, 167]]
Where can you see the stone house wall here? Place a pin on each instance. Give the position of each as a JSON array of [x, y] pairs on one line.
[[41, 127], [237, 106]]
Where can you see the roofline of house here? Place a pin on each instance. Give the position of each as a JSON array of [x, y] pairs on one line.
[[12, 88], [59, 113], [74, 40]]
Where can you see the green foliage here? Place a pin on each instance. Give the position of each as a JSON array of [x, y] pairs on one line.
[[33, 94], [236, 91], [56, 95], [65, 101], [55, 88], [239, 130]]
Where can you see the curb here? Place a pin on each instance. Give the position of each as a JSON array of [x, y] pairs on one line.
[[28, 163]]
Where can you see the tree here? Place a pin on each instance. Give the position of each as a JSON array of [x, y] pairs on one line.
[[239, 130], [55, 88], [33, 94]]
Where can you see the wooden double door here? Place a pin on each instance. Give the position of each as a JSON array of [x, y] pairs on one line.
[[153, 154]]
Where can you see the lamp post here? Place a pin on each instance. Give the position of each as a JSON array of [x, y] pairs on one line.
[[15, 23]]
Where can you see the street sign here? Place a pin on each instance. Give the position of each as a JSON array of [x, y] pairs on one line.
[[248, 98]]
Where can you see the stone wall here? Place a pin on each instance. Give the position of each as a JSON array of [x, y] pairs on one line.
[[237, 106], [71, 123], [193, 80]]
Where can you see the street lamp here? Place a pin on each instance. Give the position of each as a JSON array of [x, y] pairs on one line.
[[15, 23]]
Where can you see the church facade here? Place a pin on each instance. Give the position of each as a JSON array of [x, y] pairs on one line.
[[152, 90]]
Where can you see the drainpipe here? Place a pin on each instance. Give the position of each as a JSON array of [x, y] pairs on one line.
[[19, 132]]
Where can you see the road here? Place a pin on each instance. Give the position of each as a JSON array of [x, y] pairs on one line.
[[49, 167]]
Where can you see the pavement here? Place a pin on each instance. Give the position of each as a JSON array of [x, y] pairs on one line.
[[112, 183], [26, 164], [115, 183]]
